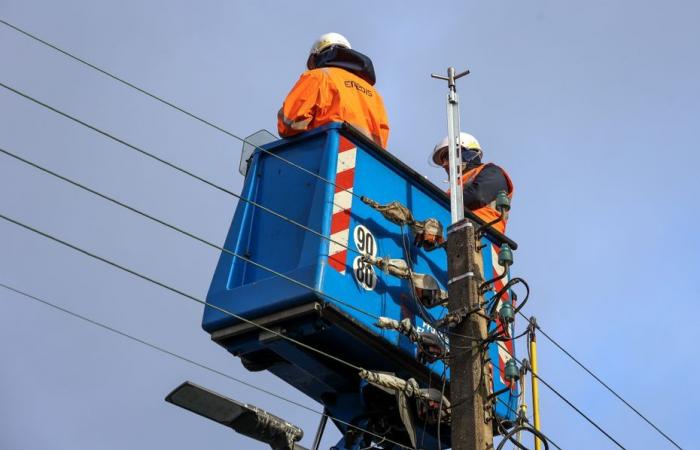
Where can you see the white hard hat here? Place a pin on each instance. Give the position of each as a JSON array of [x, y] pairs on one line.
[[466, 141], [328, 39]]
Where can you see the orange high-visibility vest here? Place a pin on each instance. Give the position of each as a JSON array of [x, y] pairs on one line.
[[488, 213], [330, 94]]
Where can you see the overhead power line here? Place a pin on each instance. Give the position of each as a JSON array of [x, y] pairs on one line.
[[551, 388], [176, 167], [179, 292], [563, 398], [145, 277], [188, 234], [605, 385], [170, 104], [187, 360]]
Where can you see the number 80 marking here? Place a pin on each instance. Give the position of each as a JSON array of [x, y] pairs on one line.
[[364, 274]]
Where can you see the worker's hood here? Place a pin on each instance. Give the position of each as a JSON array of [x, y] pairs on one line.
[[344, 58]]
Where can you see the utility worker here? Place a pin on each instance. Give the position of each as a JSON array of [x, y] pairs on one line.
[[481, 182], [336, 88]]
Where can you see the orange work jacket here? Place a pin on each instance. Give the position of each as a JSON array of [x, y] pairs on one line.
[[331, 94], [488, 213]]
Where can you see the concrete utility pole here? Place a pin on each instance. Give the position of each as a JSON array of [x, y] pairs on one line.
[[471, 413], [471, 410]]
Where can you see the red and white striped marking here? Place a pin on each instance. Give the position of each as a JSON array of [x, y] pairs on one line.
[[342, 203]]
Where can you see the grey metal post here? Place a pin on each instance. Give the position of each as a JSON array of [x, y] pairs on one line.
[[319, 432], [455, 151], [471, 421]]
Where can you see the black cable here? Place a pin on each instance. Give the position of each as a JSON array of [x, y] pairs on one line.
[[183, 358], [507, 437], [526, 421], [422, 311], [483, 227], [509, 285], [427, 317], [484, 286], [176, 167], [565, 400], [190, 235], [619, 397], [425, 421], [494, 336], [442, 396], [524, 333], [177, 291], [512, 432]]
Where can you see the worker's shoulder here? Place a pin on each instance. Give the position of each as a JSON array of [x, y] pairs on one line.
[[329, 75], [494, 173], [492, 169], [338, 79], [338, 73], [314, 73]]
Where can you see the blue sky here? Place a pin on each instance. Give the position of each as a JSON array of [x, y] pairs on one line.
[[592, 107]]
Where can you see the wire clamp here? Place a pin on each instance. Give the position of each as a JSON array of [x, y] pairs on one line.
[[460, 277], [458, 226]]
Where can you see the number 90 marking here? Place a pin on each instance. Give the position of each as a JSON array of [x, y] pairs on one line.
[[364, 240], [366, 245]]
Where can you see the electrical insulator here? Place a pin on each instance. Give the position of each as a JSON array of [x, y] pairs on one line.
[[432, 230], [502, 202], [429, 233], [394, 212], [428, 407], [396, 267], [387, 323], [505, 255], [429, 298], [511, 372], [427, 290], [431, 348], [506, 313]]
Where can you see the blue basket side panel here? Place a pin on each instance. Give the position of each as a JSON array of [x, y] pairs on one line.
[[282, 245], [265, 238]]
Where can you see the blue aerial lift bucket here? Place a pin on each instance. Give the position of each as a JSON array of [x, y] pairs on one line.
[[335, 299]]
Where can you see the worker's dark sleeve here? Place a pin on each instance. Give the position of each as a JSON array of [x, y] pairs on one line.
[[484, 188]]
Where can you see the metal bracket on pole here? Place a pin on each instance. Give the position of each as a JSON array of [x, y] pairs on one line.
[[319, 432], [455, 152]]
